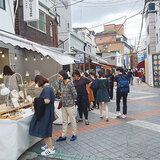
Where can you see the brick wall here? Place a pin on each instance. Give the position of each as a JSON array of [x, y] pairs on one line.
[[21, 28], [112, 27]]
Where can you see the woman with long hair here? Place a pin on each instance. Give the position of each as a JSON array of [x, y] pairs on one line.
[[9, 78], [102, 93], [41, 124]]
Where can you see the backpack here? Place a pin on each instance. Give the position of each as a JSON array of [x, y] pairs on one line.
[[122, 84]]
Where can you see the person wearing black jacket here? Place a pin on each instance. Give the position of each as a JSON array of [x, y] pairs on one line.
[[41, 123], [110, 77]]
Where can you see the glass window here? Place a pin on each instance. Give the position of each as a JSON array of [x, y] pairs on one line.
[[41, 23], [51, 28], [151, 7], [2, 4], [58, 19]]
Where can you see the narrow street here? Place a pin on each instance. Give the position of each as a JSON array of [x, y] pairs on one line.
[[134, 138]]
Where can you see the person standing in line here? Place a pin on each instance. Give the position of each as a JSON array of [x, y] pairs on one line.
[[130, 77], [93, 87], [140, 76], [90, 91], [110, 77], [122, 91], [102, 93], [82, 95], [69, 96], [41, 126], [137, 76]]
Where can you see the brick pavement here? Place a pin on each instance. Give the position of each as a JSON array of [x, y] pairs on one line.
[[136, 138]]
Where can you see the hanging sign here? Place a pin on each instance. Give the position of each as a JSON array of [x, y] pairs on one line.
[[31, 10], [80, 58]]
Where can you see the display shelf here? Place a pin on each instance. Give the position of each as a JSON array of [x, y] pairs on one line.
[[14, 109]]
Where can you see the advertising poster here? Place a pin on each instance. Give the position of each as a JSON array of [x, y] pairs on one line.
[[156, 69]]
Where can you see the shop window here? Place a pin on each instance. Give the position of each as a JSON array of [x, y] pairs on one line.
[[41, 23], [112, 58], [151, 7], [2, 4], [51, 28]]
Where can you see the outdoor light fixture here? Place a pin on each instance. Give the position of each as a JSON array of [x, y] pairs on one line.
[[26, 59], [15, 57], [34, 59], [41, 58], [47, 57], [27, 74], [3, 56]]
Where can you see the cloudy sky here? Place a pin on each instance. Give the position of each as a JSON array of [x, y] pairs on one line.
[[92, 13]]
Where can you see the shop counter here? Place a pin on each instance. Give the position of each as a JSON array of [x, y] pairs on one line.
[[15, 138]]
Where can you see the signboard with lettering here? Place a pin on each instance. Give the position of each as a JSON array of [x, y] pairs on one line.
[[80, 58], [156, 69], [31, 10]]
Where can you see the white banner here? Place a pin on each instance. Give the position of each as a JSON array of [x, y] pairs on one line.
[[31, 10]]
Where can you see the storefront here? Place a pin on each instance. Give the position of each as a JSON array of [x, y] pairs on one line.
[[27, 59]]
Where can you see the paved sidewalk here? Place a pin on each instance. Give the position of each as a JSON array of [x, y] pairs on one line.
[[135, 138]]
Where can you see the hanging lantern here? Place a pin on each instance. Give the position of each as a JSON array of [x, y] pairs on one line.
[[34, 59], [41, 58], [15, 57], [47, 57]]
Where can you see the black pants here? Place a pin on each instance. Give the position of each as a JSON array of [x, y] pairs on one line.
[[111, 92], [83, 102], [118, 99]]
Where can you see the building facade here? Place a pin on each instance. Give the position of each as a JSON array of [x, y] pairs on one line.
[[43, 31], [7, 15], [112, 39], [152, 62], [89, 38]]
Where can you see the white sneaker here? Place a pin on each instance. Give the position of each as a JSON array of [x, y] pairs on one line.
[[124, 116], [44, 147], [47, 152], [118, 114]]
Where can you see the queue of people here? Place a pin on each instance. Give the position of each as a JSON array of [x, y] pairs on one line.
[[85, 91]]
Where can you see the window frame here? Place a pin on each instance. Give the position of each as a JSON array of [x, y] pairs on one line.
[[38, 28], [4, 5], [51, 29]]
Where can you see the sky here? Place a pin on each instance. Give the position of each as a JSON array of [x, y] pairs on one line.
[[91, 13]]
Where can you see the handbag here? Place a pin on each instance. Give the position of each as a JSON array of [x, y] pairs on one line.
[[60, 102]]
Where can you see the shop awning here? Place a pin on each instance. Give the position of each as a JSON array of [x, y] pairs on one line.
[[141, 65], [54, 53]]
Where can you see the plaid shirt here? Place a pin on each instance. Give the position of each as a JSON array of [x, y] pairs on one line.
[[68, 94]]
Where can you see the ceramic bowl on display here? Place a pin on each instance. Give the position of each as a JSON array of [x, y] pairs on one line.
[[15, 94], [21, 94], [30, 99]]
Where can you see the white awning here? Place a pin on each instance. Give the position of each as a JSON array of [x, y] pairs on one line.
[[54, 53]]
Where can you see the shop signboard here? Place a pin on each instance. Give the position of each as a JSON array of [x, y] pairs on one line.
[[156, 69], [80, 58], [150, 70], [31, 10]]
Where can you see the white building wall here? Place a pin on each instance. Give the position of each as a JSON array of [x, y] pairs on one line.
[[65, 26], [7, 18], [158, 27]]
